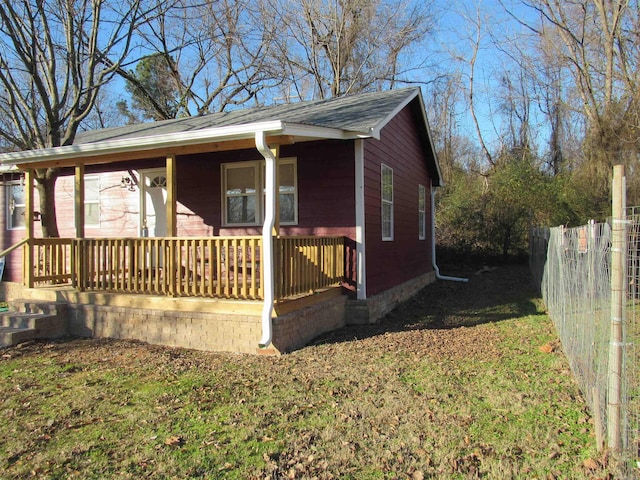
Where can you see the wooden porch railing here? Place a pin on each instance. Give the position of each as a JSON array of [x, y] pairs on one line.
[[52, 261], [307, 264], [217, 267], [223, 267]]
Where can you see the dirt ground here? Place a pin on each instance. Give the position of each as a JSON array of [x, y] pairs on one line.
[[432, 323], [435, 321]]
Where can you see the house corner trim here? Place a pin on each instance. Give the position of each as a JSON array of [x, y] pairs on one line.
[[361, 273]]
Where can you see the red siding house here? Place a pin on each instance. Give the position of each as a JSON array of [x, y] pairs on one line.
[[251, 231]]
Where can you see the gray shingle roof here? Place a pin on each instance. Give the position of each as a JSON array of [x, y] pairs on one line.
[[356, 113]]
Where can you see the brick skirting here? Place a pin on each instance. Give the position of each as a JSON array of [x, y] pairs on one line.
[[360, 312]]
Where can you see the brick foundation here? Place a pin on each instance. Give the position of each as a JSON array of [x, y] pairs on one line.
[[197, 330], [360, 312], [298, 328], [191, 323]]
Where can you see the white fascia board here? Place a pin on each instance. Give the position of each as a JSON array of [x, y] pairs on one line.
[[387, 119], [311, 131], [151, 142]]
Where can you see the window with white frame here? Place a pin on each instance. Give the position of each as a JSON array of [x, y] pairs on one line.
[[386, 188], [92, 200], [15, 206], [241, 183], [422, 216]]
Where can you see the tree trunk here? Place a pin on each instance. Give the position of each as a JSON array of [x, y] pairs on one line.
[[46, 186]]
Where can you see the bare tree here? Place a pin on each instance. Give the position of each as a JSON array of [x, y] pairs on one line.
[[55, 56], [465, 53], [442, 100], [597, 43], [214, 54], [331, 48]]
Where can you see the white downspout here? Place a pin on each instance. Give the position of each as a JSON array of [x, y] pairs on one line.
[[267, 237], [433, 243]]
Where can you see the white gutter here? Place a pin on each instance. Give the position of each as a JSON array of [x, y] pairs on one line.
[[433, 243], [149, 142], [267, 237]]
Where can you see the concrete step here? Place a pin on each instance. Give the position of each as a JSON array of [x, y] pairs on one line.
[[28, 319], [14, 319], [13, 336], [36, 306]]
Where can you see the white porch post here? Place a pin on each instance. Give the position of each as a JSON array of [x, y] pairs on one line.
[[361, 272], [268, 233]]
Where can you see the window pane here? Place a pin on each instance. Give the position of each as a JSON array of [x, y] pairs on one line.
[[17, 218], [287, 178], [16, 206], [387, 184], [241, 180], [386, 220], [241, 209], [17, 193], [91, 190], [159, 181], [287, 208], [92, 213], [421, 212]]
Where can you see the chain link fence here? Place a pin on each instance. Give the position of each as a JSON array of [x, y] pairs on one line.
[[573, 267]]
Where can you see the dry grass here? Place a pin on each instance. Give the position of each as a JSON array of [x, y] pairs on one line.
[[453, 384]]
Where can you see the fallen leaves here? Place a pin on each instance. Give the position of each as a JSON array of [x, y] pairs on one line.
[[591, 464], [174, 441], [406, 398], [550, 347]]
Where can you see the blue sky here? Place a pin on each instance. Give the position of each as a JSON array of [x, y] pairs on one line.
[[455, 35]]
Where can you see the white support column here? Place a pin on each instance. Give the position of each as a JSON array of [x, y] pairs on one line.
[[361, 264]]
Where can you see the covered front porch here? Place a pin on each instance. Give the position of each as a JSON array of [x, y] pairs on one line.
[[237, 280], [202, 293]]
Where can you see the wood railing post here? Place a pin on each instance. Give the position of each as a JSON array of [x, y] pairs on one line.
[[618, 291]]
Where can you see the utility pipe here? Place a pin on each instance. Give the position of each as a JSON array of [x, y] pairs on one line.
[[267, 237], [433, 243]]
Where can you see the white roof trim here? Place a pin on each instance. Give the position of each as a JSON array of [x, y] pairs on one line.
[[423, 111], [302, 130], [376, 131], [417, 93], [153, 142]]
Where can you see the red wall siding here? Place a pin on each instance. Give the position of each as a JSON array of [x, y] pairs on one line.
[[326, 200], [390, 263]]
